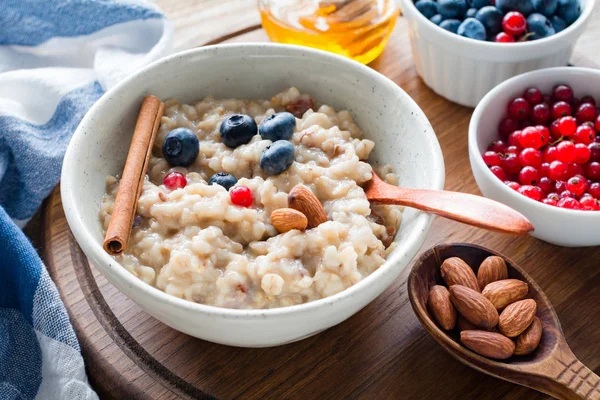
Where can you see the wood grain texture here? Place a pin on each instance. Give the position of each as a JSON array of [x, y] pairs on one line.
[[381, 352], [551, 368]]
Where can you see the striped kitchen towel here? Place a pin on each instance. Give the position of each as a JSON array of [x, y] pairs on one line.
[[57, 57]]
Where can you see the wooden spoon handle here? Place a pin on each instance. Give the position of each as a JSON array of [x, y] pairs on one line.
[[578, 382], [462, 207]]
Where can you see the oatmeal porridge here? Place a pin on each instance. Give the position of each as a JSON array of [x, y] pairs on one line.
[[220, 168]]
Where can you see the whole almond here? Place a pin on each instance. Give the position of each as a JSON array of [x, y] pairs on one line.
[[302, 199], [488, 344], [456, 272], [441, 307], [286, 219], [474, 307], [491, 269], [529, 340], [517, 317], [504, 292], [464, 325]]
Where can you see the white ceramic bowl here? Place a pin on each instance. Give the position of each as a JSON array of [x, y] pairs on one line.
[[463, 70], [552, 224], [403, 136]]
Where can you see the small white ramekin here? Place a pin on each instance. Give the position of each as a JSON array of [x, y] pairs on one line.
[[570, 228], [463, 70]]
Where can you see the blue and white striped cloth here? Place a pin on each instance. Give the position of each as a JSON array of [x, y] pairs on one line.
[[57, 57]]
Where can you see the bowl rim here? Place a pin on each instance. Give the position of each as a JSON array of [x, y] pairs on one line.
[[105, 262], [493, 46], [563, 72]]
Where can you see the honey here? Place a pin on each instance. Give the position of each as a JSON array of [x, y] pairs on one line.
[[358, 29]]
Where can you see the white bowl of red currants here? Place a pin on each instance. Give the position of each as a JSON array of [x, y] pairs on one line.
[[470, 46], [534, 144]]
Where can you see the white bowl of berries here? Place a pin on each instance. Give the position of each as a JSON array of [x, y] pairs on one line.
[[463, 48], [534, 144]]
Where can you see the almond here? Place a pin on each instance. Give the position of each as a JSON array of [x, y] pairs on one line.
[[456, 272], [464, 325], [530, 338], [441, 307], [517, 317], [488, 344], [491, 269], [302, 199], [504, 292], [474, 307], [286, 219]]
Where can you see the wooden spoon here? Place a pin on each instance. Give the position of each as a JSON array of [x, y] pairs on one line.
[[552, 368], [462, 207]]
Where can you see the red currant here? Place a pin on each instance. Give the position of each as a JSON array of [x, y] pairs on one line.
[[499, 172], [497, 146], [511, 164], [594, 151], [574, 169], [533, 96], [561, 109], [531, 157], [557, 171], [491, 158], [583, 153], [525, 123], [586, 112], [533, 192], [549, 154], [504, 38], [566, 193], [560, 186], [241, 196], [514, 139], [592, 170], [507, 126], [550, 201], [546, 184], [512, 185], [598, 123], [554, 131], [565, 151], [544, 169], [584, 134], [569, 203], [545, 134], [174, 180], [567, 126], [529, 176], [514, 23], [513, 150], [541, 113], [589, 203], [531, 137], [562, 93], [594, 190], [519, 109], [589, 100], [577, 185]]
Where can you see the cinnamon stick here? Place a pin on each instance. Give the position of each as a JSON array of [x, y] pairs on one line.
[[130, 186]]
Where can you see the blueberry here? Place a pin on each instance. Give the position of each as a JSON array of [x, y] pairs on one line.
[[545, 7], [471, 12], [452, 8], [237, 129], [568, 10], [427, 7], [277, 157], [437, 19], [491, 18], [472, 28], [280, 126], [450, 25], [540, 26], [224, 179], [525, 7], [181, 147], [480, 3], [558, 23]]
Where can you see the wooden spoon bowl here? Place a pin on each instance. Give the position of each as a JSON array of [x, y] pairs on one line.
[[552, 368]]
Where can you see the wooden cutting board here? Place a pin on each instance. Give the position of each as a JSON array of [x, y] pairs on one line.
[[381, 352]]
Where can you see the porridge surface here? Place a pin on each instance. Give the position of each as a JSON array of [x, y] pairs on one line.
[[195, 244]]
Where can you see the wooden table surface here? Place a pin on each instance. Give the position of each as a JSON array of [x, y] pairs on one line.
[[381, 352]]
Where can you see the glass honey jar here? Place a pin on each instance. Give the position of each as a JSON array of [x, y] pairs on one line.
[[358, 29]]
